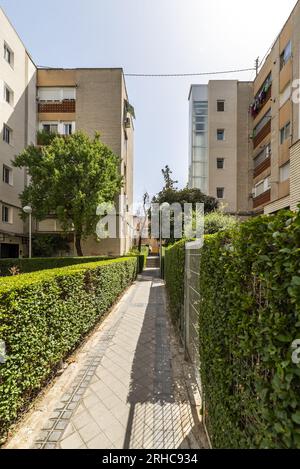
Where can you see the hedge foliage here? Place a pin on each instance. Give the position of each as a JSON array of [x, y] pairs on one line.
[[44, 315], [249, 316], [174, 266], [35, 264]]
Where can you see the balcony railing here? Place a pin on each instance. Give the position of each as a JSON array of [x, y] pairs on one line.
[[68, 105], [262, 167], [262, 199], [262, 134]]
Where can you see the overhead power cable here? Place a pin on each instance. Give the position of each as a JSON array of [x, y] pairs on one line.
[[188, 74]]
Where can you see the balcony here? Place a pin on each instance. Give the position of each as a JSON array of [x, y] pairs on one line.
[[262, 97], [262, 134], [65, 106], [262, 167], [262, 199]]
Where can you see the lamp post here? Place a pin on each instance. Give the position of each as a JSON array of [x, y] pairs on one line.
[[28, 211]]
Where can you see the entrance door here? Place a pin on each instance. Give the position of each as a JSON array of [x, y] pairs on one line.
[[9, 251]]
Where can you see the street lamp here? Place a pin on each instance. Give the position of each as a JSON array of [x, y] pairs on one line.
[[28, 211]]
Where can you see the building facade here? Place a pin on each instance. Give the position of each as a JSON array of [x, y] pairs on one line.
[[18, 129], [219, 142], [275, 121], [58, 101], [92, 100]]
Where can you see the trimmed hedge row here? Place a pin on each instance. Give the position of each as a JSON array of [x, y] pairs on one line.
[[36, 264], [44, 315], [249, 316], [174, 266]]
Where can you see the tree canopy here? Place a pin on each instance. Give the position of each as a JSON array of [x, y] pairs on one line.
[[69, 178]]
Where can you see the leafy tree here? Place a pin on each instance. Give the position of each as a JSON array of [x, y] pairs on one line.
[[69, 178], [169, 182], [171, 194]]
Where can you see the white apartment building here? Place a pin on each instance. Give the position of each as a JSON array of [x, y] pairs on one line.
[[18, 129]]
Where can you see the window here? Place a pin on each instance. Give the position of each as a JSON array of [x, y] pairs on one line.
[[7, 134], [285, 133], [286, 55], [220, 134], [6, 214], [68, 129], [56, 94], [262, 187], [284, 172], [220, 163], [220, 105], [220, 192], [8, 55], [8, 95], [50, 128], [262, 156], [7, 175]]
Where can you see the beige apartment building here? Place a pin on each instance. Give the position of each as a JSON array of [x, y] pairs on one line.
[[92, 100], [219, 142], [245, 137], [60, 101], [275, 121]]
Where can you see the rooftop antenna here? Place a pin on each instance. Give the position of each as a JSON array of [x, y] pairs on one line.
[[257, 65]]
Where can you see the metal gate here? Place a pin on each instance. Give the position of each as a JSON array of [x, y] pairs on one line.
[[191, 306]]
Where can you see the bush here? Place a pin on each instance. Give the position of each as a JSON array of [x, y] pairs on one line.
[[218, 221], [46, 245], [141, 256], [174, 266], [249, 316], [35, 264], [44, 315]]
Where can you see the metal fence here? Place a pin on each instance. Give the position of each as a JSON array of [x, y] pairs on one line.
[[191, 306]]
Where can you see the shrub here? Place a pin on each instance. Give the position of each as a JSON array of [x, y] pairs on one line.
[[141, 256], [249, 316], [44, 315], [174, 264], [218, 221], [46, 245], [35, 264]]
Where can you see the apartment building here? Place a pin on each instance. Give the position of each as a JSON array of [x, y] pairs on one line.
[[18, 129], [219, 142], [92, 100], [59, 101], [275, 121]]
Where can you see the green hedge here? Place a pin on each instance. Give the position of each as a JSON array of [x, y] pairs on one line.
[[249, 316], [174, 265], [44, 315], [36, 264]]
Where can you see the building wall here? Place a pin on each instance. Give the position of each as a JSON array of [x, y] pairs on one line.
[[20, 117], [223, 178], [100, 99], [234, 149], [283, 110]]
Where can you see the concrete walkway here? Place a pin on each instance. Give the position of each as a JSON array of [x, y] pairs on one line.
[[129, 390]]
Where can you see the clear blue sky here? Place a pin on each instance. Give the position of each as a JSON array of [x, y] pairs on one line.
[[151, 36]]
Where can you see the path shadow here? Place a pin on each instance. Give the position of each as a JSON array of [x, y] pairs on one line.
[[160, 416]]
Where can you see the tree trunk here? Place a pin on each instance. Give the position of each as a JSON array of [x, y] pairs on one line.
[[78, 245], [140, 244]]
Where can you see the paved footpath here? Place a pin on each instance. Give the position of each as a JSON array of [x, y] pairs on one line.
[[128, 390]]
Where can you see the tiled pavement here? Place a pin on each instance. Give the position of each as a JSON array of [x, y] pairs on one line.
[[130, 392]]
